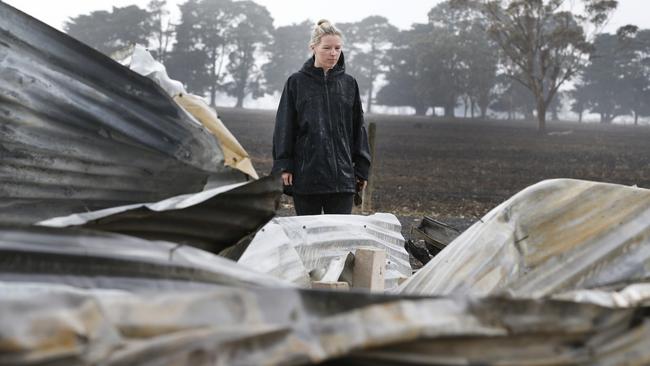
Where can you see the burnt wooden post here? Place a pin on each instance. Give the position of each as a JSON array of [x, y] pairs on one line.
[[366, 205]]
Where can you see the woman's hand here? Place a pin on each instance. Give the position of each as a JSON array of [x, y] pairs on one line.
[[287, 179], [361, 184]]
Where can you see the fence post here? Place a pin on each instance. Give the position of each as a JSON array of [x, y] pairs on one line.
[[366, 205]]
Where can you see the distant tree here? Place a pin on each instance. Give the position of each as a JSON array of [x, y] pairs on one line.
[[200, 51], [288, 50], [482, 56], [634, 60], [603, 84], [556, 105], [252, 30], [580, 96], [616, 81], [444, 76], [457, 59], [368, 40], [545, 43], [352, 46], [162, 28], [513, 98], [403, 72], [111, 31]]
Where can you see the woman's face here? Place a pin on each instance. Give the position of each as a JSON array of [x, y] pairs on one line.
[[328, 51]]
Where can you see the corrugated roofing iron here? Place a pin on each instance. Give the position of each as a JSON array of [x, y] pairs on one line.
[[283, 326], [80, 132], [234, 154], [277, 325], [292, 247], [91, 259], [213, 220], [555, 236]]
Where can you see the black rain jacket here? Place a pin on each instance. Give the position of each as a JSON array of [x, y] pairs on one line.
[[319, 134]]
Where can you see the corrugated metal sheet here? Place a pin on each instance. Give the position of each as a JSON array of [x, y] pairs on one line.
[[555, 236], [234, 154], [205, 312], [281, 326], [291, 247], [90, 259], [80, 132], [213, 220]]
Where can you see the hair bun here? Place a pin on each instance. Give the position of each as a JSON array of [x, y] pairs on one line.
[[322, 28]]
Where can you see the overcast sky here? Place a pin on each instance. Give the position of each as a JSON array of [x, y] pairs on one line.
[[400, 13]]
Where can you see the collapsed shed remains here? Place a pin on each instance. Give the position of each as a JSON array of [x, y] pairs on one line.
[[556, 275]]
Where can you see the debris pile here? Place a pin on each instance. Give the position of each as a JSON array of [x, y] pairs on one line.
[[154, 245]]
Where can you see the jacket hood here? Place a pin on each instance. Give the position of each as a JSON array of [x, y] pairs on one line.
[[309, 68]]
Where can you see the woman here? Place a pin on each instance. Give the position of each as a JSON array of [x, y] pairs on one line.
[[320, 142]]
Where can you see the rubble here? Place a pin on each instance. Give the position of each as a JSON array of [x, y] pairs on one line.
[[555, 275]]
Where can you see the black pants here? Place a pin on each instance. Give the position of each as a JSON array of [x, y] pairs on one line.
[[329, 203]]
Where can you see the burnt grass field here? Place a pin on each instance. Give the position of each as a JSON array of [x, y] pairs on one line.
[[457, 170]]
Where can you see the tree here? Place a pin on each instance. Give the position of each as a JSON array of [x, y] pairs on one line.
[[603, 85], [162, 28], [580, 96], [368, 41], [481, 56], [544, 43], [199, 53], [513, 98], [450, 55], [443, 74], [617, 79], [403, 73], [634, 62], [252, 30], [111, 31], [288, 51]]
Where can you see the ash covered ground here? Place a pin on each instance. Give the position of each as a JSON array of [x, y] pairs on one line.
[[455, 171]]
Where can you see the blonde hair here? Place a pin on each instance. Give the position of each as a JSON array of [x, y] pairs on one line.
[[323, 28]]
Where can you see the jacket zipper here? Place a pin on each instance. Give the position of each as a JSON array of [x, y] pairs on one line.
[[329, 121]]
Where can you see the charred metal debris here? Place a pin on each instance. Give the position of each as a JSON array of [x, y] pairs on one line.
[[134, 230]]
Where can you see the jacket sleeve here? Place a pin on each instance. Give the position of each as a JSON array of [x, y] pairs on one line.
[[360, 148], [285, 131]]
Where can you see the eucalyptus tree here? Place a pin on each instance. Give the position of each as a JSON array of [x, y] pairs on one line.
[[580, 96], [368, 41], [513, 98], [403, 74], [201, 49], [635, 67], [545, 42], [616, 81], [288, 50], [162, 28], [111, 31], [251, 31], [603, 83]]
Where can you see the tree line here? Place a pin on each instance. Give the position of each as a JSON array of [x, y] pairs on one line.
[[512, 57]]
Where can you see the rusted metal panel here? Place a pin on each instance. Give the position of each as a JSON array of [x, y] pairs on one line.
[[81, 132]]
